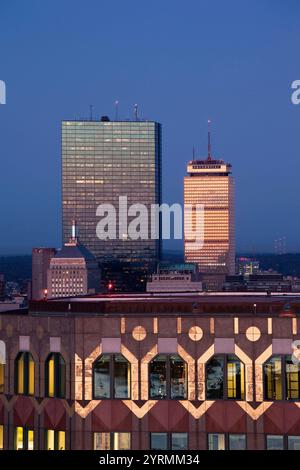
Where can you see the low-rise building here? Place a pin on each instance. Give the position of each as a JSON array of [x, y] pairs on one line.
[[178, 277], [134, 371], [246, 266], [73, 271], [260, 282]]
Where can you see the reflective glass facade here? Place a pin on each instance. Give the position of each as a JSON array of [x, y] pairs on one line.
[[102, 160], [168, 377], [225, 378], [112, 377], [168, 441]]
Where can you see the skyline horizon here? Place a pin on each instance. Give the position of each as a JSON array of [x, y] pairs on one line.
[[176, 249], [209, 70]]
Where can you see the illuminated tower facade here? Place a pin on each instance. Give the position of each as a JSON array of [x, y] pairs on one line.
[[209, 183]]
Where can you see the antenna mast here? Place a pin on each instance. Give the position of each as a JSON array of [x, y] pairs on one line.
[[91, 112], [209, 142], [73, 234], [117, 109], [136, 112]]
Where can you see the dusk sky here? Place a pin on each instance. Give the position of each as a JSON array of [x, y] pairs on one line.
[[182, 62]]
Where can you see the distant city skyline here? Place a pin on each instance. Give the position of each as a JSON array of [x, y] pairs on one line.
[[235, 67]]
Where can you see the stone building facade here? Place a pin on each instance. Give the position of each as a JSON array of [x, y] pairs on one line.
[[189, 372]]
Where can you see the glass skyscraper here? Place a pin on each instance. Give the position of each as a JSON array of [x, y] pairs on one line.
[[102, 160]]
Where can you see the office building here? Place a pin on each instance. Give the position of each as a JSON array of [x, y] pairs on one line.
[[175, 277], [40, 264], [246, 266], [73, 271], [101, 161], [181, 371], [261, 282], [209, 183]]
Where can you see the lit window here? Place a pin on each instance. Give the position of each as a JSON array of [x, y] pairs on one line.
[[273, 378], [55, 376], [292, 376], [112, 376], [112, 441], [24, 438], [24, 373], [168, 377], [55, 440], [1, 436], [225, 378], [281, 379], [216, 441]]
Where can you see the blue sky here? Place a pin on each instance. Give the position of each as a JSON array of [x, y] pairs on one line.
[[182, 62]]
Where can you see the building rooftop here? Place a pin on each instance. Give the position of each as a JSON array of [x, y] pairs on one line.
[[208, 161], [179, 267], [73, 251], [203, 304]]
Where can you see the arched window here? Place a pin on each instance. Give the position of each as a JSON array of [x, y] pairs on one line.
[[111, 377], [292, 377], [281, 378], [273, 378], [55, 376], [168, 377], [225, 378], [55, 440], [24, 373]]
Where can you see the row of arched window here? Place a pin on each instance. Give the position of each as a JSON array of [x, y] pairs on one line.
[[55, 375], [168, 377]]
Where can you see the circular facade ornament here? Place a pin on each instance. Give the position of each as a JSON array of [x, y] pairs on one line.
[[139, 333], [195, 333], [253, 333]]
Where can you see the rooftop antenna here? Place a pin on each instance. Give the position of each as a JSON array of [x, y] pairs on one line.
[[208, 143], [136, 112], [73, 233], [91, 112], [193, 153], [117, 109]]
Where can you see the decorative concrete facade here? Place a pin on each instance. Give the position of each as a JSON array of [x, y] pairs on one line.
[[140, 328]]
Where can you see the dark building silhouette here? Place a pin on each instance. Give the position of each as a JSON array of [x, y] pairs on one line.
[[40, 264]]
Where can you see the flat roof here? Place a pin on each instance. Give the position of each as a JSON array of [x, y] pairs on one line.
[[179, 304], [186, 297]]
